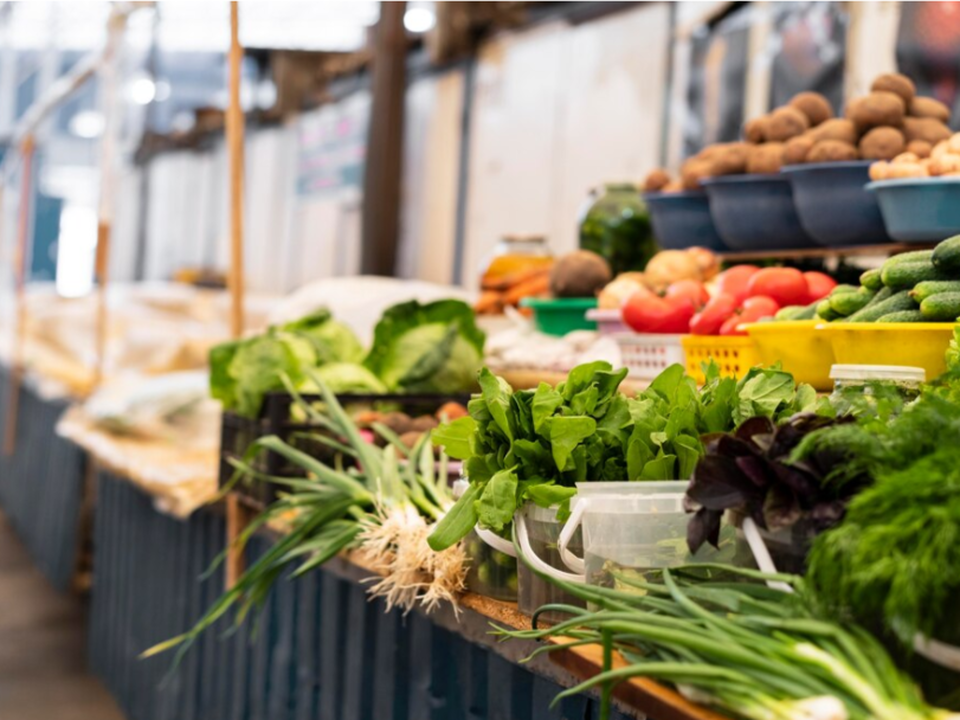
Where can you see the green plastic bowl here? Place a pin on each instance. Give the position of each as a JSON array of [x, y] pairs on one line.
[[560, 316]]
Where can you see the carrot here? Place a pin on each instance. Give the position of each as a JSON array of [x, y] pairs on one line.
[[534, 286]]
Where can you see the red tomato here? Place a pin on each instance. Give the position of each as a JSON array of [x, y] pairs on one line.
[[690, 289], [759, 306], [819, 285], [730, 327], [709, 320], [733, 281], [787, 286], [652, 314]]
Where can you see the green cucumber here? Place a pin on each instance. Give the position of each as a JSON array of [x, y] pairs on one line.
[[906, 275], [871, 279], [841, 289], [902, 316], [809, 312], [825, 312], [927, 288], [875, 311], [790, 312], [946, 255], [848, 303], [942, 307], [909, 257]]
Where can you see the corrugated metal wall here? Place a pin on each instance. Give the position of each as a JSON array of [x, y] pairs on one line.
[[41, 485], [322, 651]]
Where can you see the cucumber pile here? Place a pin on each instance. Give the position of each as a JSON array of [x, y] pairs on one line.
[[919, 286]]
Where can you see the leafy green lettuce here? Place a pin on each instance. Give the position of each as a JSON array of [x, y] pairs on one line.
[[332, 341], [343, 378], [435, 347], [535, 445]]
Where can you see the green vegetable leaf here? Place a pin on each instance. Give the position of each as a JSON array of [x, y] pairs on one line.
[[688, 451], [666, 383], [454, 437], [762, 391], [566, 433], [585, 401], [548, 494], [222, 384], [545, 402], [496, 393], [498, 502], [581, 377], [661, 468], [457, 523]]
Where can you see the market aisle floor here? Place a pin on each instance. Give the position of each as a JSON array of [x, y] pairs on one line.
[[42, 664]]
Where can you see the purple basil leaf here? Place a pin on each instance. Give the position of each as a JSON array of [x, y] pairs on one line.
[[732, 447], [704, 527], [825, 515], [758, 431], [756, 470], [781, 508], [799, 482], [719, 484]]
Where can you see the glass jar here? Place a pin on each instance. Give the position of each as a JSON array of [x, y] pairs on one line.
[[853, 383], [513, 256], [616, 226], [491, 573]]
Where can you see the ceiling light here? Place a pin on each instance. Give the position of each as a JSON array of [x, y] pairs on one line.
[[142, 91], [419, 20]]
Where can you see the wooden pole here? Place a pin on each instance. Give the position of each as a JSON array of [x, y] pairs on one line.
[[20, 260], [108, 78], [236, 513]]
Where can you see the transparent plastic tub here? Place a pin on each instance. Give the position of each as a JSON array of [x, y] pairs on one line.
[[539, 532], [632, 530], [492, 573]]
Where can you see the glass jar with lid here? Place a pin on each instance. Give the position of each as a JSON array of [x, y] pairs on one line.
[[615, 224], [513, 256], [853, 382]]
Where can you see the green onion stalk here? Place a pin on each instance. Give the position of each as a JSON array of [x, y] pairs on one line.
[[723, 638], [370, 499]]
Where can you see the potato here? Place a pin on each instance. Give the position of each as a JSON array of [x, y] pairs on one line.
[[928, 107], [656, 180], [878, 109], [711, 151], [673, 186], [579, 274], [920, 148], [754, 131], [896, 83], [795, 149], [940, 148], [836, 129], [766, 158], [906, 170], [947, 163], [882, 143], [831, 151], [814, 105], [953, 143], [906, 157], [929, 129], [879, 170], [732, 160], [693, 171], [785, 123]]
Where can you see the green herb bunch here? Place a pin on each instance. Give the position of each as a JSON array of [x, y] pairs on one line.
[[535, 445]]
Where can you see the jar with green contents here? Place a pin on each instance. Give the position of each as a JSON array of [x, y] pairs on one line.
[[616, 226], [852, 384], [491, 573]]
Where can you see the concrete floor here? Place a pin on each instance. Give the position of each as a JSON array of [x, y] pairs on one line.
[[42, 655]]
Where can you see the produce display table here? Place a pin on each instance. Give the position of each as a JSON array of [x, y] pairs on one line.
[[321, 649], [42, 484]]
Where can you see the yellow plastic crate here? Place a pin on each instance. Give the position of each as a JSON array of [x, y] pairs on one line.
[[734, 354], [802, 350], [921, 345]]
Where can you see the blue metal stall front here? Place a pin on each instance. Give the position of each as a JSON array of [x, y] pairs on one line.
[[41, 484], [321, 649]]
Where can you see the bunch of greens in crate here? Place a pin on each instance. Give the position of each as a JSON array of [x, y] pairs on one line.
[[535, 445], [417, 348], [383, 501]]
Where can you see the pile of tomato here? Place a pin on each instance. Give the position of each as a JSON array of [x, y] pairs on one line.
[[741, 295]]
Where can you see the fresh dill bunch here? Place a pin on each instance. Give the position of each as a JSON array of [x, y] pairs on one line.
[[895, 558]]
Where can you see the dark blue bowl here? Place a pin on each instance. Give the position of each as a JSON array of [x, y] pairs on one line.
[[919, 209], [833, 204], [682, 220], [756, 213]]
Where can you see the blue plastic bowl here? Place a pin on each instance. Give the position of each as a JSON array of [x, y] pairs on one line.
[[682, 220], [756, 212], [919, 210], [834, 207]]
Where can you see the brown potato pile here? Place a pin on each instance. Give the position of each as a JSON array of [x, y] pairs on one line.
[[891, 124]]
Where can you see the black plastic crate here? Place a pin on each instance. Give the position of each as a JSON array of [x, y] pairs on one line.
[[238, 433]]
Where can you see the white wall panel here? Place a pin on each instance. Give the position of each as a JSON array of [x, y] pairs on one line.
[[514, 162], [431, 165]]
